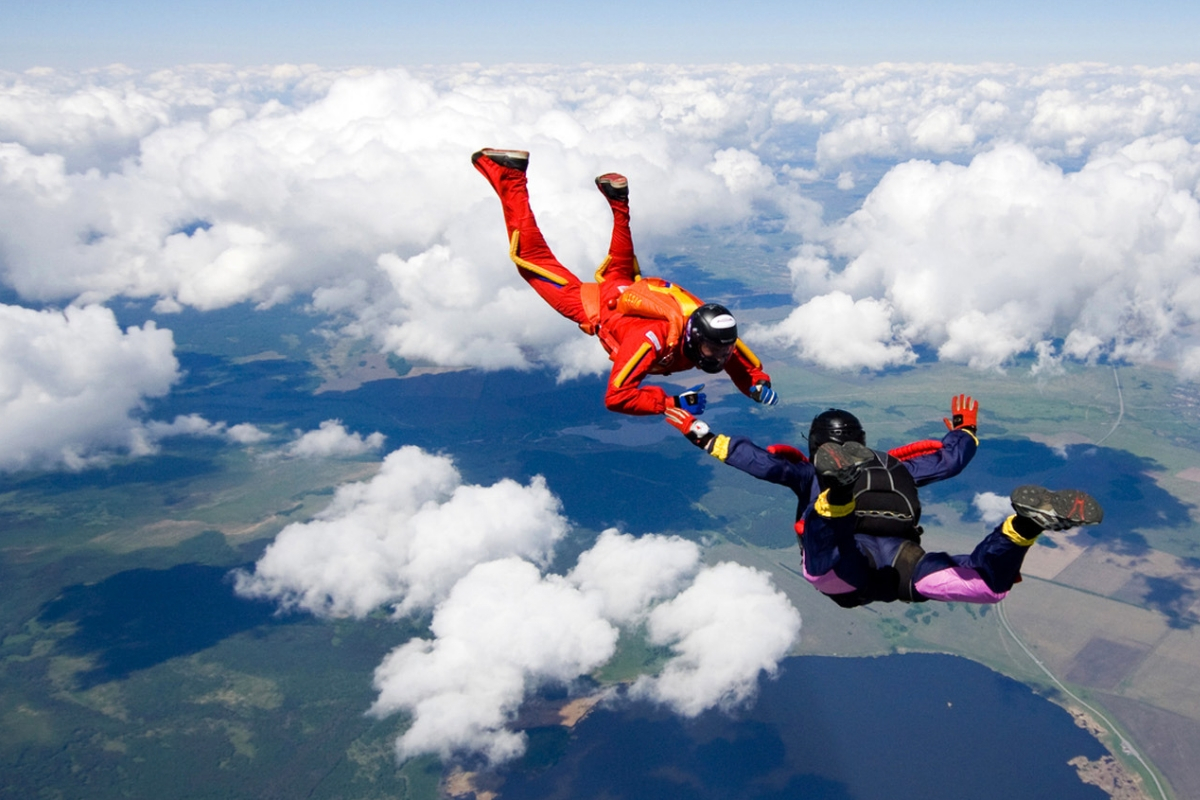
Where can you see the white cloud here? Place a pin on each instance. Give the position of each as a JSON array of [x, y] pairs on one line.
[[196, 425], [245, 433], [403, 539], [73, 384], [503, 629], [414, 537], [332, 440], [985, 261], [208, 186], [184, 425], [838, 332], [992, 508], [626, 574], [726, 629], [231, 198]]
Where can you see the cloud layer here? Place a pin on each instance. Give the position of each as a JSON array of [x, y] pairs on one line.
[[415, 538], [210, 186], [987, 260], [978, 212]]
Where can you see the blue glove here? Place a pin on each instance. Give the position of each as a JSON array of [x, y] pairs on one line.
[[692, 400], [762, 392]]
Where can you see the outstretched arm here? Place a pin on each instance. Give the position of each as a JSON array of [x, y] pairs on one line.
[[779, 467], [748, 375], [958, 445], [625, 393]]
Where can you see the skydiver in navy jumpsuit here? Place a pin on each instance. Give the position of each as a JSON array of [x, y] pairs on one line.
[[858, 511]]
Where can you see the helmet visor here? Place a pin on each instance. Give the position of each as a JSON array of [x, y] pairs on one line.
[[713, 355]]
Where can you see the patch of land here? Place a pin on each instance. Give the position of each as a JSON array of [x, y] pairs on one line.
[[1112, 613], [1110, 776]]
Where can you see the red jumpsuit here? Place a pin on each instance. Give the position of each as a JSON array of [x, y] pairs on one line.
[[637, 345]]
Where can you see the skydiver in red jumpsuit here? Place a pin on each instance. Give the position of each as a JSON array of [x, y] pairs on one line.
[[695, 334]]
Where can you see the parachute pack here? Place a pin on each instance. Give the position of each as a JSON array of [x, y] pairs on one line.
[[652, 298]]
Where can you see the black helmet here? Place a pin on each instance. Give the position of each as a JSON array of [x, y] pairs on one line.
[[709, 337], [834, 425]]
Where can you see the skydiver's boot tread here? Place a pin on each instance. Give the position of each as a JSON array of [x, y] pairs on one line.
[[1056, 511], [613, 186], [842, 463], [509, 159]]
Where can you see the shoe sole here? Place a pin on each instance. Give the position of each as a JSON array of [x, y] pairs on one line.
[[511, 159], [1069, 507], [842, 461], [613, 186]]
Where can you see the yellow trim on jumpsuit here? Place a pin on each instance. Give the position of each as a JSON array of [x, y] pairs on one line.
[[619, 381], [541, 272]]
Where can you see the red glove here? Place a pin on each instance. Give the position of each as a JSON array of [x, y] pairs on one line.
[[696, 431], [964, 413]]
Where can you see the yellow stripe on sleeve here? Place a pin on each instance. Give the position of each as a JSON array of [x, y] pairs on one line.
[[600, 270], [619, 381], [541, 272]]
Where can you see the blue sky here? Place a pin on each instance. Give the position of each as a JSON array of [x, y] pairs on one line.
[[70, 34]]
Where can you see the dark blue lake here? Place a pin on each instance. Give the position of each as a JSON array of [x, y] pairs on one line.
[[911, 727]]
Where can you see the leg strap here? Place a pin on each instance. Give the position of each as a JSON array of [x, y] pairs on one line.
[[905, 564], [589, 296]]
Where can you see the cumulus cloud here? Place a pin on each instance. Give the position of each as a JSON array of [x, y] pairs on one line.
[[839, 332], [196, 425], [726, 629], [505, 627], [403, 539], [73, 385], [414, 537], [992, 259], [245, 433], [330, 440], [624, 574], [355, 188], [207, 186], [992, 508]]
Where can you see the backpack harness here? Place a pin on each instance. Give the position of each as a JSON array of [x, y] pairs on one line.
[[650, 298], [887, 505]]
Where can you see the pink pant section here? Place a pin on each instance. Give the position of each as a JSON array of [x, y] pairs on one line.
[[958, 584], [829, 583]]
